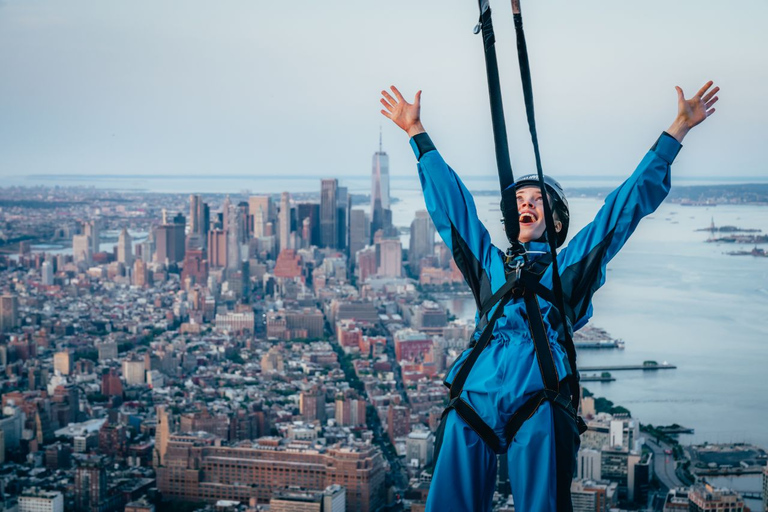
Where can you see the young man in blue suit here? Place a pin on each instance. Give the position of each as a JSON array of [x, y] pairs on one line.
[[506, 374]]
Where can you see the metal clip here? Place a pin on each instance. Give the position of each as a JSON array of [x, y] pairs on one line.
[[519, 262], [515, 262], [477, 28]]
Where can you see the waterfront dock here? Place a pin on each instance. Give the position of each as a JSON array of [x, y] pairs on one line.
[[644, 367]]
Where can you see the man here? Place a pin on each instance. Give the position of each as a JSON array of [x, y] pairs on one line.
[[507, 372]]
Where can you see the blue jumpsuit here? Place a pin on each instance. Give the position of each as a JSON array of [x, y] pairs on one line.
[[506, 374]]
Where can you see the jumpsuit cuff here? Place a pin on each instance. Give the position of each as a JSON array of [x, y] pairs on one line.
[[421, 144], [666, 147]]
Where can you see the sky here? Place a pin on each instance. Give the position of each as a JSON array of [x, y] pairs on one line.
[[256, 88]]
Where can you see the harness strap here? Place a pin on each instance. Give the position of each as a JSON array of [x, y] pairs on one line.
[[541, 343], [501, 143], [458, 382], [525, 76], [529, 408], [527, 279]]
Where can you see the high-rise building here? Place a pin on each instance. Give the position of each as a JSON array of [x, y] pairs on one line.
[[91, 486], [194, 205], [398, 421], [422, 241], [225, 207], [389, 257], [133, 372], [62, 362], [92, 229], [217, 248], [199, 217], [380, 216], [344, 205], [285, 221], [359, 232], [350, 411], [262, 210], [9, 312], [195, 266], [329, 213], [82, 248], [244, 227], [125, 248], [162, 435], [170, 241], [233, 242], [46, 270], [308, 214], [312, 405], [140, 274]]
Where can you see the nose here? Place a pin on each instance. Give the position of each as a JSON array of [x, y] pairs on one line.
[[525, 201]]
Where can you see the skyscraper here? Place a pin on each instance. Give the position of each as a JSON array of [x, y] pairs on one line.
[[194, 206], [47, 273], [329, 212], [125, 248], [170, 241], [233, 244], [285, 221], [90, 486], [359, 234], [244, 227], [422, 241], [9, 312], [380, 215], [344, 203], [310, 212], [389, 256], [261, 209], [82, 248], [217, 248], [92, 230]]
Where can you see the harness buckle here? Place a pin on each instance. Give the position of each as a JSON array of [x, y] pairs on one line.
[[515, 263]]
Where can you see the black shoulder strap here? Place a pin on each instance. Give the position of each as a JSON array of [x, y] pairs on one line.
[[501, 143], [557, 287]]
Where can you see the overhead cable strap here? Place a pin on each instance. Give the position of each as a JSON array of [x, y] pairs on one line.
[[557, 287], [501, 144]]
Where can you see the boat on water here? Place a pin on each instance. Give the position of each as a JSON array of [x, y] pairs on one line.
[[599, 344], [591, 337]]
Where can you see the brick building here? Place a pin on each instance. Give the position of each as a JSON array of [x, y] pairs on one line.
[[195, 469]]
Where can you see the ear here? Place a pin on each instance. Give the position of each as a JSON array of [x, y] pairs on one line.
[[558, 226]]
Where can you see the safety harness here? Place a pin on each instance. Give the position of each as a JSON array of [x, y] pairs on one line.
[[522, 275]]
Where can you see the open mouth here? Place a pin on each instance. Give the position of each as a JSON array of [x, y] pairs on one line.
[[527, 218]]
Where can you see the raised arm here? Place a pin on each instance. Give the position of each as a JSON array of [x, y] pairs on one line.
[[448, 201], [583, 262]]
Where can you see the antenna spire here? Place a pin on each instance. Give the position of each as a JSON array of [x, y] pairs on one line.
[[380, 147]]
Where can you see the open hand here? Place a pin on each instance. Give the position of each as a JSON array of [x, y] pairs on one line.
[[693, 111], [403, 114]]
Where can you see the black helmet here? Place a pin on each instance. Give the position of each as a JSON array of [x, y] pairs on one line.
[[559, 202]]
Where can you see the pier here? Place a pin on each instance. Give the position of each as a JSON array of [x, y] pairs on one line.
[[644, 367]]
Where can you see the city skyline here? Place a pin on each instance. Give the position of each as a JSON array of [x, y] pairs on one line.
[[196, 92]]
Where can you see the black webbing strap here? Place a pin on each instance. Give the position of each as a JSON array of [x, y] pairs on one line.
[[541, 342], [461, 376], [528, 279], [532, 405], [475, 422], [557, 287], [501, 144]]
